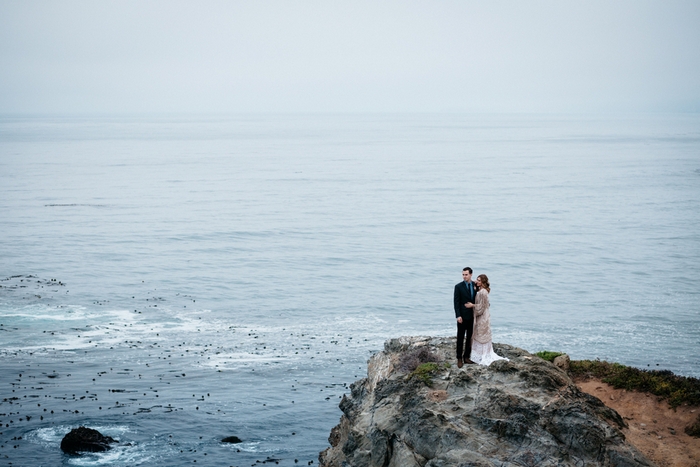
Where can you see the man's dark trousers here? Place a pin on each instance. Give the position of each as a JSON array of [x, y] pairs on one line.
[[466, 327]]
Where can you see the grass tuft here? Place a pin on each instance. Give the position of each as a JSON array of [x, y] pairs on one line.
[[675, 389], [425, 371], [548, 355]]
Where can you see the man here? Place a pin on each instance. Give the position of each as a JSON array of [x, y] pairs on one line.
[[465, 292]]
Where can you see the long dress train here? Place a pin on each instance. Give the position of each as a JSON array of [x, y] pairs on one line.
[[482, 347]]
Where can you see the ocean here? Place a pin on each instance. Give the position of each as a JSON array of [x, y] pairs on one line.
[[174, 280]]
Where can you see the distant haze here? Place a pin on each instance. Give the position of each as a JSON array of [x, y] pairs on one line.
[[308, 56]]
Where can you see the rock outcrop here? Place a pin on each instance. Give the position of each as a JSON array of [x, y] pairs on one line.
[[563, 362], [522, 412], [85, 440]]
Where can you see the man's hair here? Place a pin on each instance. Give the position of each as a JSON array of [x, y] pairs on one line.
[[468, 269]]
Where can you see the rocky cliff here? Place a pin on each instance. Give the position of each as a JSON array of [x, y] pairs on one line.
[[414, 409]]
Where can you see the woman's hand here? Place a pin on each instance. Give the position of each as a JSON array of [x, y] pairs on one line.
[[469, 305]]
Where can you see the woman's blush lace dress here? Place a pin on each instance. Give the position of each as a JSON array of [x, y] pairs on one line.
[[482, 348]]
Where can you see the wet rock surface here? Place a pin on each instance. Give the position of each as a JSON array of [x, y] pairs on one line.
[[522, 412], [85, 440]]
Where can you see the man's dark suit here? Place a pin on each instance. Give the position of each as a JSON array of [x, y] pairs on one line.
[[461, 297]]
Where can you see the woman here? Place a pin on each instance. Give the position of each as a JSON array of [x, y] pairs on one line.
[[482, 348]]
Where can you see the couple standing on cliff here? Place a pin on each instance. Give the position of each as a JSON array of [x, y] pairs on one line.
[[471, 301]]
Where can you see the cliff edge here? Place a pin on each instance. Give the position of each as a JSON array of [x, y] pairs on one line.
[[415, 408]]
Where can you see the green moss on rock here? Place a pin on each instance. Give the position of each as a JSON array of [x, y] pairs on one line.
[[425, 372], [548, 355]]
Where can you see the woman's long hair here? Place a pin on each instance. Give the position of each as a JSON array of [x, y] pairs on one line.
[[484, 282]]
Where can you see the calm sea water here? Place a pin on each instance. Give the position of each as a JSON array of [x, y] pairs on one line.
[[172, 281]]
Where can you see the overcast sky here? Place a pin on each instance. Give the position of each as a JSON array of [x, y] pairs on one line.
[[259, 56]]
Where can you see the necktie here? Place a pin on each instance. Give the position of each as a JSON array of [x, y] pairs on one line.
[[471, 291]]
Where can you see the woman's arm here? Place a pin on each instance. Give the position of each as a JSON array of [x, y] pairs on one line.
[[482, 302]]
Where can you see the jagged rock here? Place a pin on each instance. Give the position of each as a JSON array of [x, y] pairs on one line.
[[522, 412], [563, 362], [85, 440]]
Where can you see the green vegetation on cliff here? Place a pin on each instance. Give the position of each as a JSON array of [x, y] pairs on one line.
[[548, 355], [675, 389]]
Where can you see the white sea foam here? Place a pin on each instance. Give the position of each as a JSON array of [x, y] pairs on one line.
[[124, 456], [36, 313]]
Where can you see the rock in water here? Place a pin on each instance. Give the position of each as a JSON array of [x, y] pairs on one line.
[[522, 412], [231, 439], [85, 440]]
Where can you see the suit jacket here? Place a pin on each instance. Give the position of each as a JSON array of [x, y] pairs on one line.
[[463, 296]]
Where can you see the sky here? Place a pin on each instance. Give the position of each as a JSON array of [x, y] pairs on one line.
[[141, 57]]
